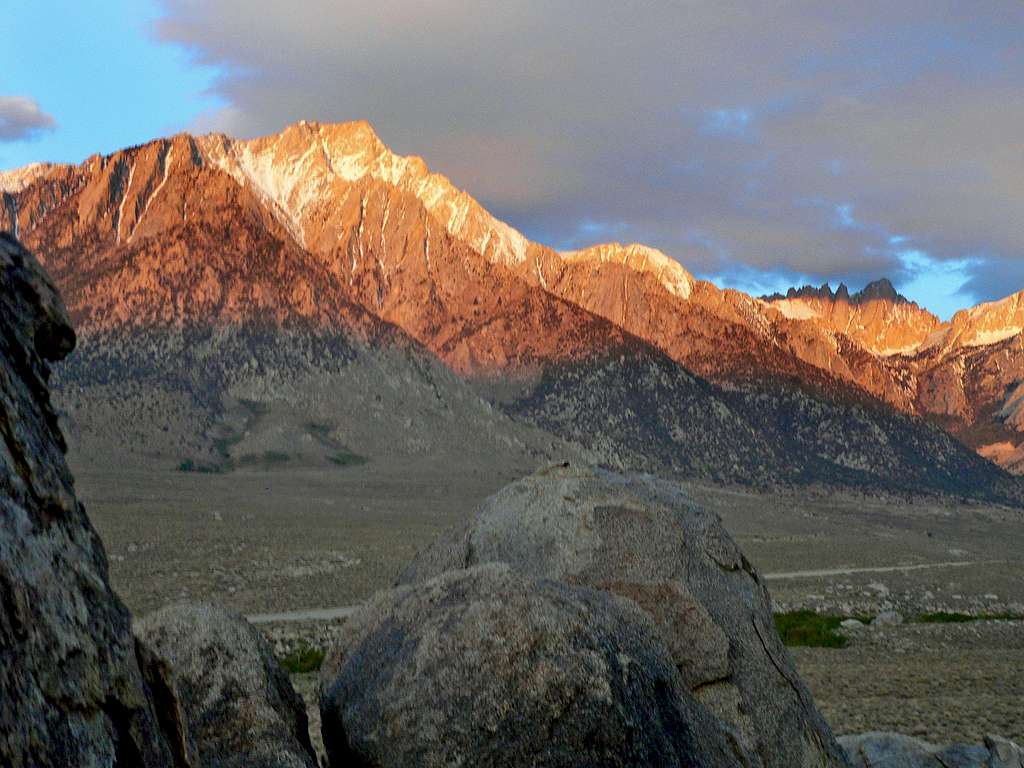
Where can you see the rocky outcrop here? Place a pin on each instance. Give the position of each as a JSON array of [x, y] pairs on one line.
[[894, 750], [1004, 753], [644, 539], [486, 667], [71, 685], [878, 319], [77, 688], [240, 707], [877, 290]]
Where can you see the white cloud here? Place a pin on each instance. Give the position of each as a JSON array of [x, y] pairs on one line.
[[21, 118]]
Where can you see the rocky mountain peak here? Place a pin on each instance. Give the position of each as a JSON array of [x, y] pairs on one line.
[[322, 223], [877, 290], [639, 258], [310, 165], [985, 324], [878, 317]]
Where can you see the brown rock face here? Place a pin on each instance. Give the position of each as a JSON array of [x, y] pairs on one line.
[[884, 326], [963, 374], [70, 679], [968, 376]]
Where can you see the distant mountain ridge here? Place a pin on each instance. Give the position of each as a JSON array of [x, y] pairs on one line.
[[322, 227], [877, 290]]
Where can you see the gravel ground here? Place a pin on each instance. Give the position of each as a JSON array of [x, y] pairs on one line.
[[940, 682], [943, 683], [282, 541]]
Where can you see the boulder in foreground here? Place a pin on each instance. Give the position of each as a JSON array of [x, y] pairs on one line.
[[71, 688], [483, 667], [645, 539], [239, 704], [894, 750]]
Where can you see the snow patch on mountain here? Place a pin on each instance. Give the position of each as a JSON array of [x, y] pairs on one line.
[[167, 172], [17, 179], [308, 162], [795, 309], [984, 338], [280, 173], [909, 349], [639, 258], [982, 325]]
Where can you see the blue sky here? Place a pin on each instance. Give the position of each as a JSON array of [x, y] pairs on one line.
[[761, 144], [96, 69]]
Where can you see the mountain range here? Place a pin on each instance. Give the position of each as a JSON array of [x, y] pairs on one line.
[[293, 256]]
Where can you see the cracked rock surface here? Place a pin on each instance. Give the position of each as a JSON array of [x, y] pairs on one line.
[[880, 749], [71, 685], [239, 704], [645, 539], [487, 667]]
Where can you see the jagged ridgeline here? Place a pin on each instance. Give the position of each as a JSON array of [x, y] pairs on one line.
[[321, 232]]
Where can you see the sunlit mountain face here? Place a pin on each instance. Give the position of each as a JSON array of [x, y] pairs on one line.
[[324, 227]]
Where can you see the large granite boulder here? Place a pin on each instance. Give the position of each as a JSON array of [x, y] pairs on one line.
[[240, 707], [645, 539], [880, 749], [483, 667], [71, 688], [1004, 753]]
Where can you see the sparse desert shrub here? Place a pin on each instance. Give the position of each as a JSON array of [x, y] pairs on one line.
[[266, 458], [319, 430], [202, 467], [808, 628], [302, 660], [223, 445], [345, 458], [948, 617]]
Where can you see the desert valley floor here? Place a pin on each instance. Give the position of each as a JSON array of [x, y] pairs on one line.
[[294, 540]]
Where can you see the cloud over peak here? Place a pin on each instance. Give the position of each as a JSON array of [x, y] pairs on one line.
[[21, 118], [702, 128]]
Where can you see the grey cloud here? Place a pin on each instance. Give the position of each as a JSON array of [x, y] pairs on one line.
[[21, 118], [702, 127], [991, 281]]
